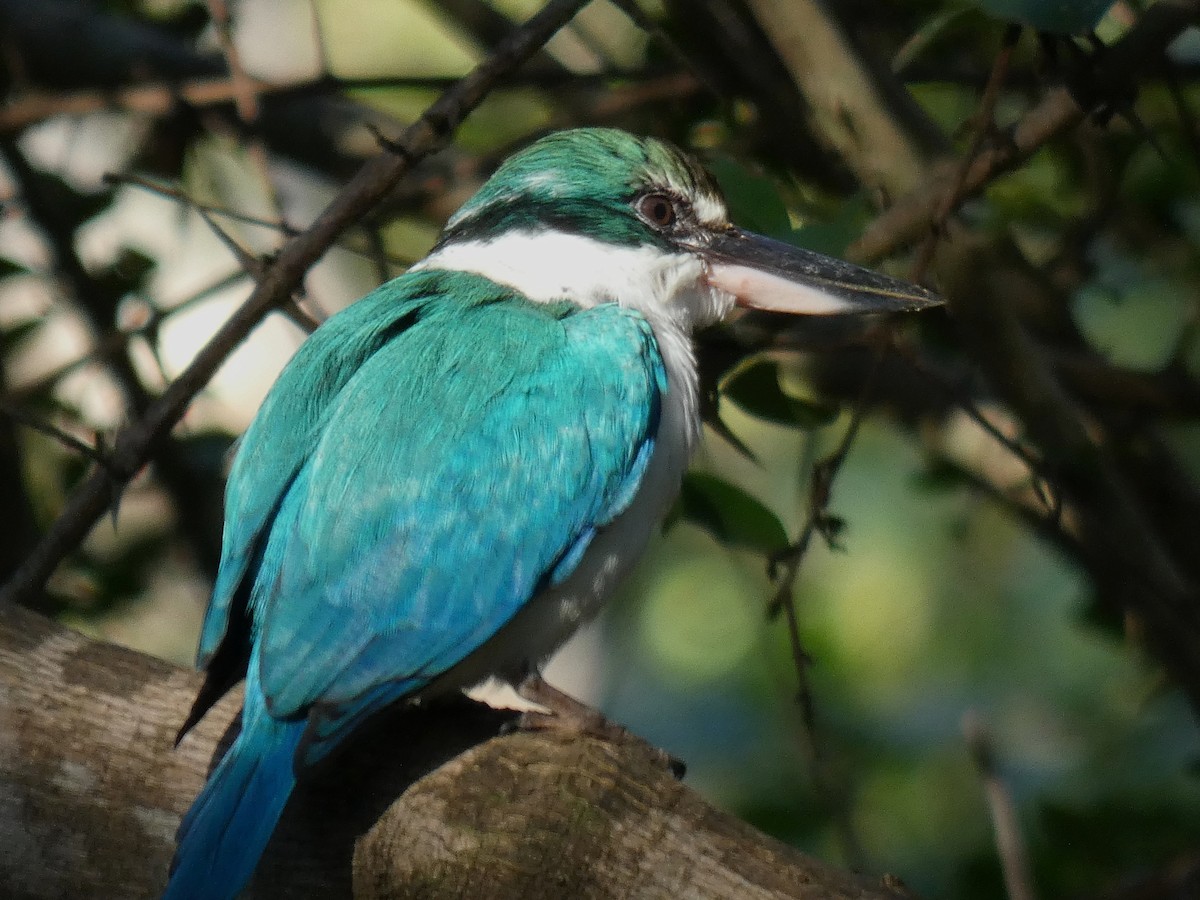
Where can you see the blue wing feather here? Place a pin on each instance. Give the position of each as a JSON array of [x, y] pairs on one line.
[[279, 440], [519, 428]]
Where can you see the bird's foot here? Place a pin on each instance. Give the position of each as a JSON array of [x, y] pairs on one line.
[[563, 713]]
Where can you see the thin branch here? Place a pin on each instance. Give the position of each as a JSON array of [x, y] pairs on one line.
[[245, 258], [1010, 845], [173, 192], [156, 99], [1042, 484], [819, 521], [1027, 507], [983, 125], [253, 266], [88, 451], [115, 340], [830, 787], [280, 278], [176, 193], [161, 98]]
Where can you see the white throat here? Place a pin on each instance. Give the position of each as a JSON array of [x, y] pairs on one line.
[[549, 266]]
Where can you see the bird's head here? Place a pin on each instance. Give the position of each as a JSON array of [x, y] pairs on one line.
[[596, 215]]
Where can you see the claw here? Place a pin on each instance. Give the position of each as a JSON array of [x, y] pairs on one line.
[[563, 713]]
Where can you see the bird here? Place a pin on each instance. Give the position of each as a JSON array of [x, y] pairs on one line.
[[1056, 17], [452, 473]]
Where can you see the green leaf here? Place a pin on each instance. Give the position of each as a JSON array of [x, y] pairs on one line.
[[753, 200], [834, 235], [729, 514], [755, 388]]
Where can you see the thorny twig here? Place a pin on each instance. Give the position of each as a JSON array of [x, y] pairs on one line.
[[95, 453], [820, 521]]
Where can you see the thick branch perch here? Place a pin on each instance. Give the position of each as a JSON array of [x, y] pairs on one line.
[[429, 804]]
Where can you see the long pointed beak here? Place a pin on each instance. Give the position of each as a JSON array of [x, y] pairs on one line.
[[766, 274]]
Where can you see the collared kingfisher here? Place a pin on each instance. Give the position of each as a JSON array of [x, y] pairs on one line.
[[452, 473]]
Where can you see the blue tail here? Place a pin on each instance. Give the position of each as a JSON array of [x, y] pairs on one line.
[[225, 832]]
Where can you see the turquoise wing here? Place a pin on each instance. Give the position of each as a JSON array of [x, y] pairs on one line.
[[464, 465], [279, 441]]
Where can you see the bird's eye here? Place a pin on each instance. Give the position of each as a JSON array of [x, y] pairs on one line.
[[657, 209]]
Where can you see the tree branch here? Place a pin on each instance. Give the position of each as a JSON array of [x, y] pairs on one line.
[[426, 804], [1140, 51]]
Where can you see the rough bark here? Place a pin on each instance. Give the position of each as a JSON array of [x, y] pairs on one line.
[[428, 803]]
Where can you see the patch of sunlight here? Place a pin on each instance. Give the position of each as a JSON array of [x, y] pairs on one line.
[[879, 610], [236, 391], [1140, 327], [409, 238], [379, 38], [915, 816], [696, 617], [276, 39], [599, 37]]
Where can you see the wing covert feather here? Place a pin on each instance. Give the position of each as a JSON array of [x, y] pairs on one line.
[[280, 438], [455, 472]]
